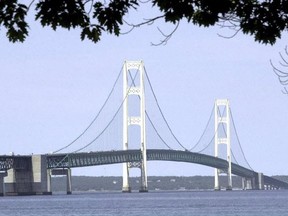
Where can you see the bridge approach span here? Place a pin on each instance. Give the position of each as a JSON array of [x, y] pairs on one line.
[[14, 162]]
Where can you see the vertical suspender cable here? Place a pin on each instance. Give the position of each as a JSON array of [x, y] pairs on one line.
[[239, 141], [162, 112], [95, 118]]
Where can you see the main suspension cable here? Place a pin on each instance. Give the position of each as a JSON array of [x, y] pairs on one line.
[[225, 133], [214, 133], [165, 143], [239, 141], [148, 117], [162, 112], [234, 157], [198, 142], [95, 118], [109, 123]]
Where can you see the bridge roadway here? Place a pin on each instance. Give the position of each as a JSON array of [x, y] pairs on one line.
[[113, 157], [70, 160]]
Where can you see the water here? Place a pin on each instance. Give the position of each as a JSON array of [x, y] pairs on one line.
[[236, 203]]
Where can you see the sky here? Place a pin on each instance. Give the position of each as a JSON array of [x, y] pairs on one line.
[[53, 84]]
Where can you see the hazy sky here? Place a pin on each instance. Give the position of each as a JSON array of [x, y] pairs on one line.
[[53, 85]]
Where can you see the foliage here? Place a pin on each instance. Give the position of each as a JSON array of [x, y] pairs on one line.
[[263, 19], [12, 17]]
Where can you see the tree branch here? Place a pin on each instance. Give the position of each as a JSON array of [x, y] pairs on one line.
[[150, 22], [285, 91], [147, 22], [30, 5], [282, 75], [166, 37], [233, 24], [91, 5]]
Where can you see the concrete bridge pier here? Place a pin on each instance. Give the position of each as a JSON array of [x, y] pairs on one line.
[[49, 189], [28, 176], [2, 185], [69, 181], [253, 183], [247, 183], [260, 181], [67, 173]]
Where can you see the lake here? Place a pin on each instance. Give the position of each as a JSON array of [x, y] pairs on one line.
[[160, 203]]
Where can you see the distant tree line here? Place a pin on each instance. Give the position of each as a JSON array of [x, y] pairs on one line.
[[85, 183]]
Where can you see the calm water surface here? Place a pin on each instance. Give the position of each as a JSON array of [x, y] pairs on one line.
[[242, 203]]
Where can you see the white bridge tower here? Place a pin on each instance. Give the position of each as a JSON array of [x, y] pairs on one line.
[[222, 120], [135, 87]]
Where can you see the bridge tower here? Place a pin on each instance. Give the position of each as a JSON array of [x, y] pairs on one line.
[[133, 84], [222, 138]]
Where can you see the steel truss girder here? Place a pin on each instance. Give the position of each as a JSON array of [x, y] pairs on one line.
[[122, 156]]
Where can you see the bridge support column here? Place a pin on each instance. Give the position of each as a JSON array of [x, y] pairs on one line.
[[143, 187], [28, 176], [126, 188], [243, 183], [69, 181], [216, 180], [253, 183], [49, 181], [247, 183], [2, 184], [260, 181], [130, 88], [222, 123], [250, 184], [67, 173]]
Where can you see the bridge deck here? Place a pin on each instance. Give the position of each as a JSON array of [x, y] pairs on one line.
[[113, 157]]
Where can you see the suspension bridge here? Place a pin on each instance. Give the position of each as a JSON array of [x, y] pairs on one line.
[[125, 132]]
